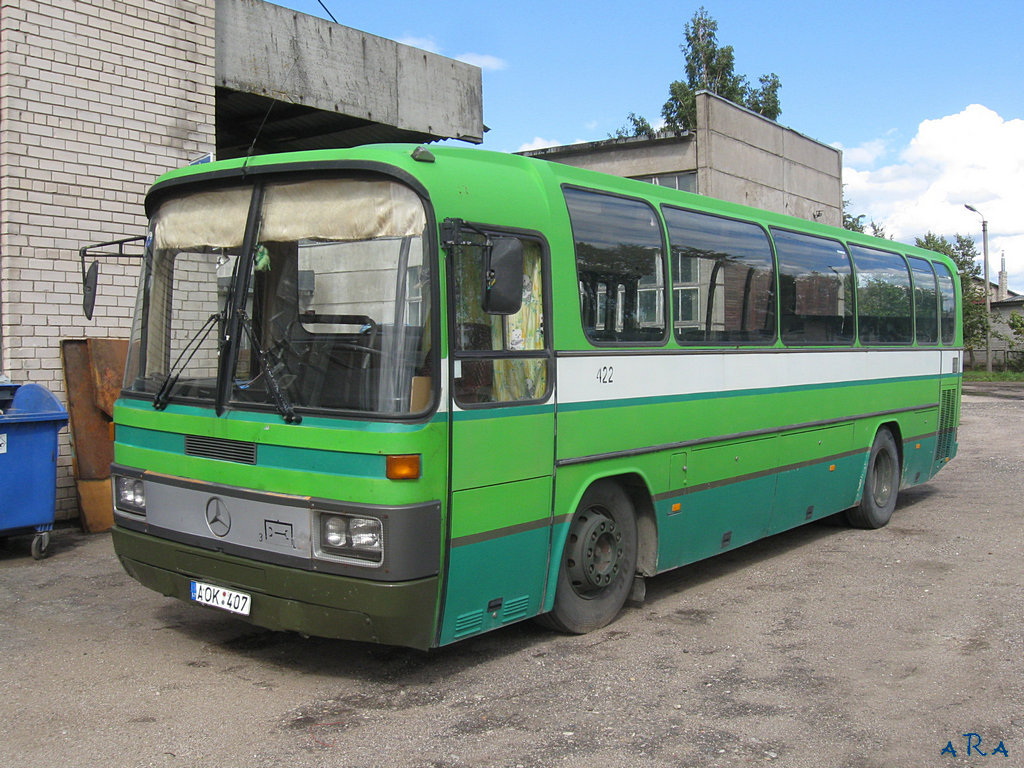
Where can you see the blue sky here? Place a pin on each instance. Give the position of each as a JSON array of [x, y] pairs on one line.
[[926, 99]]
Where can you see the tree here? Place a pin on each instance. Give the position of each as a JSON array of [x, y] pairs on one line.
[[636, 126], [964, 252], [1016, 323], [708, 68], [711, 68], [877, 229], [851, 222]]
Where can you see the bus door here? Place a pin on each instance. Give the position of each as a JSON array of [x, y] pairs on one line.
[[502, 432]]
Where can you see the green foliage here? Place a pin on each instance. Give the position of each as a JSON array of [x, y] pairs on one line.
[[635, 126], [708, 68], [970, 375], [1016, 323], [711, 68], [877, 229], [852, 223], [964, 252]]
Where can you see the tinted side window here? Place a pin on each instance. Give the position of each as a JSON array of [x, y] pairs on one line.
[[884, 306], [926, 301], [620, 265], [947, 296], [815, 290], [722, 279]]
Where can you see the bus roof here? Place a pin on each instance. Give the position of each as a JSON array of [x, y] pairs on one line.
[[480, 169]]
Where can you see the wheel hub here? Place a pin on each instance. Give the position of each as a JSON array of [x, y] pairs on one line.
[[593, 553], [883, 479]]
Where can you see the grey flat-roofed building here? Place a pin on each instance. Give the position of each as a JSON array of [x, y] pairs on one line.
[[732, 154]]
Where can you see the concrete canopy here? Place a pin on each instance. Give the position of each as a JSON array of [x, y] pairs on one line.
[[289, 81]]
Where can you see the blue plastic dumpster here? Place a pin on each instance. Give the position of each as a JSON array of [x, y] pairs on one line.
[[30, 418]]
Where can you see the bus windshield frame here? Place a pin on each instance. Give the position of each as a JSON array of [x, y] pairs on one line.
[[299, 295]]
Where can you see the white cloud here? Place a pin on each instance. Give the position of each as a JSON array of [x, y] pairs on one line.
[[484, 61], [424, 43], [973, 157], [538, 143], [866, 154]]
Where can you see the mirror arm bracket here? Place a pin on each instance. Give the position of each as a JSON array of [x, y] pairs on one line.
[[90, 276], [451, 234]]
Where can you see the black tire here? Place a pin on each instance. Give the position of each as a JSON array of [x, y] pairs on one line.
[[598, 562], [881, 484]]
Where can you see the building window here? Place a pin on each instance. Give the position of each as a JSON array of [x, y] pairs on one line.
[[687, 181]]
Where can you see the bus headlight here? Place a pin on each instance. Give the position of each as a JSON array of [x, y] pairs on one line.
[[335, 532], [130, 495], [365, 533], [349, 536]]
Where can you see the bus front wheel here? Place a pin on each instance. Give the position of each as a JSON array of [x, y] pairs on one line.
[[881, 484], [598, 562]]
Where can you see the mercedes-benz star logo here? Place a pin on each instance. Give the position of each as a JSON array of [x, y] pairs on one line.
[[218, 517]]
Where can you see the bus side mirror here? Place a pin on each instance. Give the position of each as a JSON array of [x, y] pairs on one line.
[[89, 281], [503, 276]]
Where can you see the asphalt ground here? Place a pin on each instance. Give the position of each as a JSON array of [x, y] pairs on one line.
[[823, 646]]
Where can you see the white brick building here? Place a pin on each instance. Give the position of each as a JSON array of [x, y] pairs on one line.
[[96, 99], [99, 97]]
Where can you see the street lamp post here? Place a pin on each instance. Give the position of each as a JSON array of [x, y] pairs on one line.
[[988, 303]]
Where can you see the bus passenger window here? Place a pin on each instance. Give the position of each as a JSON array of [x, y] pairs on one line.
[[620, 265], [884, 305], [947, 311], [722, 280], [926, 301], [499, 358], [815, 290]]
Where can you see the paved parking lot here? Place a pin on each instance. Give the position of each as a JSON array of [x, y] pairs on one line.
[[824, 646]]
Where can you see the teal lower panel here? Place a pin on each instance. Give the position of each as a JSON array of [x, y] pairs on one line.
[[713, 520], [717, 519], [919, 460], [811, 493], [495, 582]]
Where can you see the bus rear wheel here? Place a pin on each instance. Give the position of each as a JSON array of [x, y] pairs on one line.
[[598, 562], [881, 484]]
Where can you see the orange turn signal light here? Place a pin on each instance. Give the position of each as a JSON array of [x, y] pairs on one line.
[[405, 466]]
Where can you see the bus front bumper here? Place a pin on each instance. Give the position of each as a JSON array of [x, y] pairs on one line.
[[319, 604]]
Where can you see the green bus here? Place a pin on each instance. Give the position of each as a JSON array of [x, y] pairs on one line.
[[408, 395]]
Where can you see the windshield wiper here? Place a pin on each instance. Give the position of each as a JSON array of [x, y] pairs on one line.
[[284, 406], [163, 395]]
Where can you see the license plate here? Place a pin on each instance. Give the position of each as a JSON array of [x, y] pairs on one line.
[[219, 597]]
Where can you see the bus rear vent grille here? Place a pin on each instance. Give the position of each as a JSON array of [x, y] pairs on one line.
[[220, 449], [947, 424]]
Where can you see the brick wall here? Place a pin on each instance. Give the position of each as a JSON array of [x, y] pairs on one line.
[[97, 98]]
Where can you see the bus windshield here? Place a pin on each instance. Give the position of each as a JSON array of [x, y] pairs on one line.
[[336, 307]]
